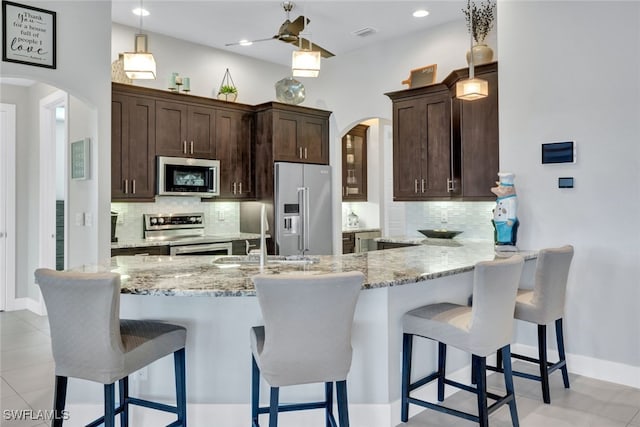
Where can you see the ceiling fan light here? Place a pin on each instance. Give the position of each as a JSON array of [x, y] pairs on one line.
[[140, 65], [472, 89], [305, 63]]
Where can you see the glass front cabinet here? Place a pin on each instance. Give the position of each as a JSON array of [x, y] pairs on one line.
[[354, 164]]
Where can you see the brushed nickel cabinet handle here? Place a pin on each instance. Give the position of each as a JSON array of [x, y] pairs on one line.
[[234, 188], [422, 186], [305, 152], [300, 152], [126, 186], [191, 147], [133, 186], [415, 186], [240, 185], [184, 147]]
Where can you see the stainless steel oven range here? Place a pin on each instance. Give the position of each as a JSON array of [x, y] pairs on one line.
[[185, 234]]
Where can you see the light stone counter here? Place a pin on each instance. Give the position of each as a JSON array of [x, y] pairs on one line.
[[199, 276], [218, 349]]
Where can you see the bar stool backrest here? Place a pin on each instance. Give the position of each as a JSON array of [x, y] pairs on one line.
[[495, 286], [552, 271], [307, 325], [83, 310]]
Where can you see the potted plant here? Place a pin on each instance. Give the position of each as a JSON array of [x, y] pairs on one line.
[[228, 90], [228, 93], [480, 18]]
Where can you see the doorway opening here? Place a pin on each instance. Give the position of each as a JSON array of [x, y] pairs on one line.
[[7, 205]]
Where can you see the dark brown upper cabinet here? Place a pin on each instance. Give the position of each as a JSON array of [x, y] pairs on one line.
[[354, 164]]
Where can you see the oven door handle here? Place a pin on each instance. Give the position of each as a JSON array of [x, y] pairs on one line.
[[183, 250]]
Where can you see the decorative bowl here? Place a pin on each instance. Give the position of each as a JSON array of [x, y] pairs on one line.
[[440, 234]]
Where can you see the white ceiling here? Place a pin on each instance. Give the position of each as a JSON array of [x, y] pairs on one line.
[[215, 23]]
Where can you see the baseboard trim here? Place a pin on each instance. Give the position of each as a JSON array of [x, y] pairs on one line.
[[591, 367], [28, 304]]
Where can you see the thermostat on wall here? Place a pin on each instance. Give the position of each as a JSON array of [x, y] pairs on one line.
[[565, 182], [559, 152]]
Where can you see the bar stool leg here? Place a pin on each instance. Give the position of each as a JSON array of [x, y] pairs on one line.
[[181, 385], [123, 387], [542, 359], [508, 381], [109, 405], [328, 397], [343, 407], [481, 381], [273, 406], [560, 341], [442, 363], [407, 343], [255, 392], [59, 400]]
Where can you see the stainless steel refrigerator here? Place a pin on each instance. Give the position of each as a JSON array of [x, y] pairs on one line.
[[302, 209]]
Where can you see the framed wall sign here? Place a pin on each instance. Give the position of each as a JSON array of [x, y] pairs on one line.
[[28, 35], [80, 159], [422, 76]]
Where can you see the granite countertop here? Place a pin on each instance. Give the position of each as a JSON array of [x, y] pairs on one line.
[[421, 240], [199, 276], [218, 238], [359, 229]]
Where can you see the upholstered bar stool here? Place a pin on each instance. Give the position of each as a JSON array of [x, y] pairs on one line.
[[306, 338], [542, 305], [90, 342], [479, 330]]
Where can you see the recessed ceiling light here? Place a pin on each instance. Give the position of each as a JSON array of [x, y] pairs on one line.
[[245, 42], [420, 13], [140, 11]]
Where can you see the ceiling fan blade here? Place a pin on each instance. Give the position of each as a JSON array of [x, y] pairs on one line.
[[252, 41], [296, 26], [305, 45]]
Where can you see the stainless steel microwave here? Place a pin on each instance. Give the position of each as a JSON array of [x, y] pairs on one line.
[[178, 176]]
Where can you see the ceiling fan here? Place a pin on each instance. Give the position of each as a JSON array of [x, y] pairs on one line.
[[289, 32]]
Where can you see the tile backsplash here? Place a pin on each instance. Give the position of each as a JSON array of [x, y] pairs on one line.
[[221, 217], [473, 218]]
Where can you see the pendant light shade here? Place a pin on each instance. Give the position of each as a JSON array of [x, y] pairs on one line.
[[305, 63], [472, 89], [140, 64]]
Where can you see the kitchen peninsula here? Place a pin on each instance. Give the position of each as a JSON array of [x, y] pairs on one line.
[[215, 302]]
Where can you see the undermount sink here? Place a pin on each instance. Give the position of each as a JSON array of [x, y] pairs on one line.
[[271, 259]]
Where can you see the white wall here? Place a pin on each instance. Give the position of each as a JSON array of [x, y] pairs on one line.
[[569, 71], [83, 40]]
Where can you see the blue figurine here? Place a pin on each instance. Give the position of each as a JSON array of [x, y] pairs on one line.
[[505, 219]]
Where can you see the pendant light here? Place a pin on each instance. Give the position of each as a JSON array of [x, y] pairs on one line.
[[140, 64], [471, 89], [305, 62]]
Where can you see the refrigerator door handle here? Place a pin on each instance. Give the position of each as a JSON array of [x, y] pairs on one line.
[[307, 210], [303, 225]]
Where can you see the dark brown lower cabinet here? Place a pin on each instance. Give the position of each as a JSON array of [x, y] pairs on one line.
[[390, 245], [141, 250], [348, 243]]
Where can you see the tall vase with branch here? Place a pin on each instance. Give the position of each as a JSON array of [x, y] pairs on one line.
[[480, 18]]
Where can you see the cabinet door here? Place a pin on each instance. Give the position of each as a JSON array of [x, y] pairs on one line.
[[479, 137], [407, 149], [436, 146], [233, 148], [201, 123], [171, 129], [354, 164], [313, 140], [132, 148], [285, 137]]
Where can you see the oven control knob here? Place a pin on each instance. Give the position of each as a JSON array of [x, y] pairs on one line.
[[160, 220], [153, 221], [199, 220], [192, 219]]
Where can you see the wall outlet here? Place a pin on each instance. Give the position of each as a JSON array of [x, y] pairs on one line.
[[220, 215], [142, 374], [88, 219], [444, 216]]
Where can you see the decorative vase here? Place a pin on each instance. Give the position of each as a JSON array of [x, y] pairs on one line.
[[482, 54], [231, 97]]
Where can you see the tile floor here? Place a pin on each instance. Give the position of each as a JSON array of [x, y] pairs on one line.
[[26, 371]]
